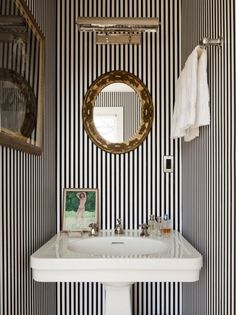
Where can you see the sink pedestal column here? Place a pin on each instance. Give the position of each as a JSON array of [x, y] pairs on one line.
[[117, 299]]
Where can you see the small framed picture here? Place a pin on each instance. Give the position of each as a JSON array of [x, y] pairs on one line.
[[80, 209]]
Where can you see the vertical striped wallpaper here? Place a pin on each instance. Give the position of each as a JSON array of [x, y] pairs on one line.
[[131, 185], [27, 195], [209, 163]]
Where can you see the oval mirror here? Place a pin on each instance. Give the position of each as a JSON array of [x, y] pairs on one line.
[[117, 112]]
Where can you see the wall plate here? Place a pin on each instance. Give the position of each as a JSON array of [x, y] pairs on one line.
[[168, 164]]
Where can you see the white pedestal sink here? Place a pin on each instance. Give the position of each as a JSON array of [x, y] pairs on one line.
[[117, 262]]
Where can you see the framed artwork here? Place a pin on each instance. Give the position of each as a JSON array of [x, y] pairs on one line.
[[80, 208], [22, 47]]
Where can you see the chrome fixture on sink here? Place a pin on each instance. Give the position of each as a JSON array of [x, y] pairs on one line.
[[94, 229], [144, 232], [119, 228]]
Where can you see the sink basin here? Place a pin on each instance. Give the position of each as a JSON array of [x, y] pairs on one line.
[[117, 246], [117, 261]]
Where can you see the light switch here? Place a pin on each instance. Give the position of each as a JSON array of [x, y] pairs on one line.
[[168, 164]]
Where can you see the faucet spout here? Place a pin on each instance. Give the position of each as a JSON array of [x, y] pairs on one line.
[[144, 231]]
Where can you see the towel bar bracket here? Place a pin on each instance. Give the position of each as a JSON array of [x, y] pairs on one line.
[[212, 42]]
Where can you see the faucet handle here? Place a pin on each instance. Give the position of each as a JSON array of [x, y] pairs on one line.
[[144, 231], [94, 229], [118, 221], [119, 227]]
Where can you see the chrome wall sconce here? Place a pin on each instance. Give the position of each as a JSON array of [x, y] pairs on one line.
[[118, 30]]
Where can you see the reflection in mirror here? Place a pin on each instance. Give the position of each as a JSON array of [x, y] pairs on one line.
[[109, 123], [117, 113], [12, 107], [18, 108]]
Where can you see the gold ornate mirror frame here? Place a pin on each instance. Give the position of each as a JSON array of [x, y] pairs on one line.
[[146, 111]]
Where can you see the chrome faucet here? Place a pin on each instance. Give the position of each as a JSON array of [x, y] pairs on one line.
[[144, 231], [94, 229], [119, 228]]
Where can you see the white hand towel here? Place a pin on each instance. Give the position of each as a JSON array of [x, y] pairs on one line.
[[202, 99], [186, 91], [191, 108]]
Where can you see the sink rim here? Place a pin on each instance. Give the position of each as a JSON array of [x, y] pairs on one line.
[[182, 266]]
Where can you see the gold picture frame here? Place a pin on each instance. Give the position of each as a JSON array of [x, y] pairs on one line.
[[80, 209], [22, 84]]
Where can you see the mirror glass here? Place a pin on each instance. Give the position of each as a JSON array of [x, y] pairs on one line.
[[18, 108], [117, 112]]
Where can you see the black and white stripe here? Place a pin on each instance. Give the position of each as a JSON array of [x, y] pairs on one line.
[[209, 163], [27, 195], [131, 185]]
